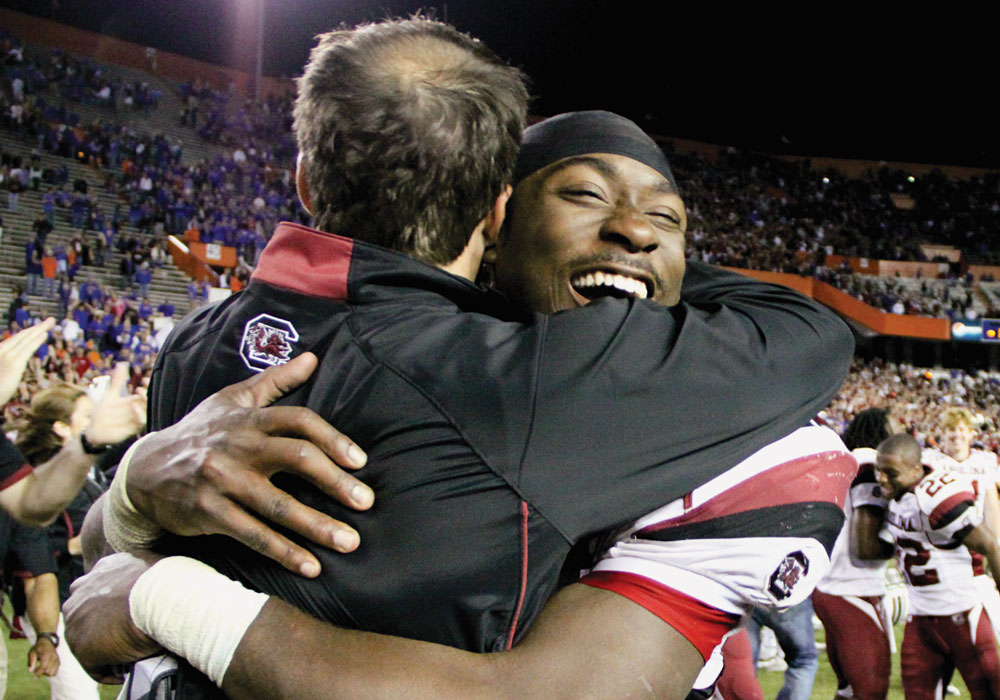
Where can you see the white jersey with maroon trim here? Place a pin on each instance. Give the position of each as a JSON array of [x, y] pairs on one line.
[[979, 463], [845, 577], [983, 467], [928, 524], [758, 534]]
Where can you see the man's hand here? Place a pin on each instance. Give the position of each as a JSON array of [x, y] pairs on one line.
[[99, 626], [116, 416], [15, 353], [43, 659], [206, 474]]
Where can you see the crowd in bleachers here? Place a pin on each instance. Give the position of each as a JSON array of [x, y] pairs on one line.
[[75, 79], [916, 396], [745, 210], [751, 211], [101, 327], [233, 199]]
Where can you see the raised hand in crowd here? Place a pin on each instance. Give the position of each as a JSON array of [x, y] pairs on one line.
[[15, 353], [117, 415]]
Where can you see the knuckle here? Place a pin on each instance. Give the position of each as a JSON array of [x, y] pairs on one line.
[[255, 417], [205, 503], [279, 507], [212, 468], [341, 480], [308, 420], [321, 527], [290, 555], [256, 539], [305, 452]]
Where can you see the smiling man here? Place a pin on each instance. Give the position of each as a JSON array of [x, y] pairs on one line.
[[596, 213], [494, 446], [936, 519]]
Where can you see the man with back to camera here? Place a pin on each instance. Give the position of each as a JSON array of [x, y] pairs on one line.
[[634, 238], [936, 520]]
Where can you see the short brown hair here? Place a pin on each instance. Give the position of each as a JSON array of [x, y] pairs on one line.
[[36, 439], [409, 131]]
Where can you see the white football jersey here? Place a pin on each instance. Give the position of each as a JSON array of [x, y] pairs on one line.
[[928, 524], [758, 534], [979, 463], [845, 578]]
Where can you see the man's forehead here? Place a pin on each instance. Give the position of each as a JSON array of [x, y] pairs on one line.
[[886, 458]]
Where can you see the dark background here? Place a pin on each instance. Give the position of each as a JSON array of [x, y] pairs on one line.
[[813, 79]]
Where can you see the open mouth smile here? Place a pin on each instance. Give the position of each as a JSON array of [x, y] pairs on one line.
[[609, 283]]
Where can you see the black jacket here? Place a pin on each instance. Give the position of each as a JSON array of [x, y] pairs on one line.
[[495, 445]]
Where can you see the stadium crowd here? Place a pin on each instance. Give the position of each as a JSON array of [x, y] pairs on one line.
[[745, 210], [916, 397]]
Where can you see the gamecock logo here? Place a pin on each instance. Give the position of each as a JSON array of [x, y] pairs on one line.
[[267, 342], [790, 571]]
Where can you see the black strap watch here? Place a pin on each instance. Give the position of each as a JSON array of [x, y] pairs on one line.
[[91, 448], [51, 636]]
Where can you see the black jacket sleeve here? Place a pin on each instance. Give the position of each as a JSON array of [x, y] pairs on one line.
[[29, 551], [635, 405]]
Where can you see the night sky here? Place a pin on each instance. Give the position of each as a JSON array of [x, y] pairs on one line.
[[815, 80]]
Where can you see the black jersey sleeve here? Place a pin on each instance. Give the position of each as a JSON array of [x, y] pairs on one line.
[[28, 553], [635, 405], [13, 466]]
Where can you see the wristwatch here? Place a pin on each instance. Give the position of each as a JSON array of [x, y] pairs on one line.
[[51, 636], [90, 448]]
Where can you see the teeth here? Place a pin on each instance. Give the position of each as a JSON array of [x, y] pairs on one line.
[[629, 285]]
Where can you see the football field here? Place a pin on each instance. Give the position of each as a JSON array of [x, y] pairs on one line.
[[21, 685]]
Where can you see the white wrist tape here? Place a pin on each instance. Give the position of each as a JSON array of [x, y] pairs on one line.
[[195, 612], [125, 528]]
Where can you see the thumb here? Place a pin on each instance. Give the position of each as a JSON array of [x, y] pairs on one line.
[[273, 383], [119, 377]]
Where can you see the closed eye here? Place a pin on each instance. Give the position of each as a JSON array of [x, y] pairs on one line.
[[591, 194], [672, 218]]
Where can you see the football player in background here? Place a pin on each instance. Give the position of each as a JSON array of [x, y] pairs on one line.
[[936, 520]]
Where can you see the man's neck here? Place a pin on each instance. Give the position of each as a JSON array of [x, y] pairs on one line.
[[467, 263], [960, 455]]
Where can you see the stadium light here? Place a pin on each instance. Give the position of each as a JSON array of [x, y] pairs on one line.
[[991, 330], [260, 50], [253, 11]]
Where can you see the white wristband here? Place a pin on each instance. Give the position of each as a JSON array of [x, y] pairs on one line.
[[195, 612], [125, 528]]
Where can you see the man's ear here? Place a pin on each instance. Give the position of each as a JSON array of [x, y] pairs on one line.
[[302, 184], [490, 254], [494, 219], [61, 429]]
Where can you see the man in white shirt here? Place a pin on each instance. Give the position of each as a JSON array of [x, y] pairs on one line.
[[71, 330], [936, 520]]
